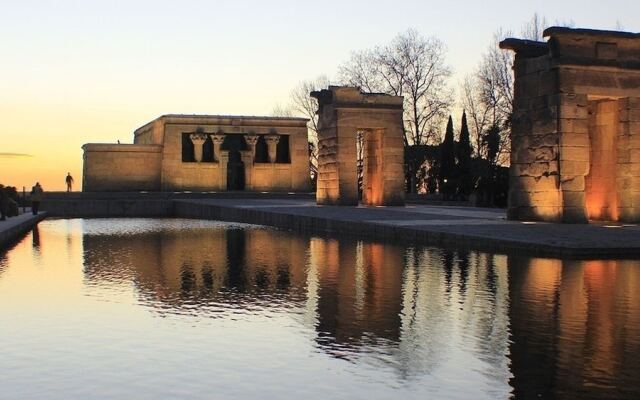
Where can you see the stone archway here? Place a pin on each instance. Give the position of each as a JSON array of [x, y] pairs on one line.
[[343, 112]]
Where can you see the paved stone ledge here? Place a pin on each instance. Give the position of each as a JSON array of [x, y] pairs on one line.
[[481, 229], [448, 226], [13, 228], [138, 204]]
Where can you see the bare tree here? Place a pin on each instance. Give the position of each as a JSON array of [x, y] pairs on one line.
[[306, 106], [479, 115], [301, 104], [280, 110], [362, 71], [412, 66], [487, 94], [534, 28]]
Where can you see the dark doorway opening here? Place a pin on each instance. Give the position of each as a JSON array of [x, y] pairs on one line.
[[235, 166], [235, 171]]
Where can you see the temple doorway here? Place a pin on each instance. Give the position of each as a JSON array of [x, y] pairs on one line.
[[235, 171], [601, 192], [372, 163], [235, 145]]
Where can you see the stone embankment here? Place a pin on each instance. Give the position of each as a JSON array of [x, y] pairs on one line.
[[420, 224], [13, 228]]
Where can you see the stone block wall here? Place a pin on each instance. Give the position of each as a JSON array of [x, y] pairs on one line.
[[150, 133], [574, 127], [534, 191], [329, 171], [121, 167], [574, 155], [270, 177]]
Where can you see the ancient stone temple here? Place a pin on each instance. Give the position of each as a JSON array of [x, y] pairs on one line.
[[575, 152], [204, 153], [345, 113]]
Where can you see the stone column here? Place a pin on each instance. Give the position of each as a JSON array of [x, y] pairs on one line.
[[251, 142], [223, 159], [628, 160], [217, 139], [198, 140], [272, 144]]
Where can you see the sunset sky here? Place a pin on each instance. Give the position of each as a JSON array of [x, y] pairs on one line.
[[74, 72]]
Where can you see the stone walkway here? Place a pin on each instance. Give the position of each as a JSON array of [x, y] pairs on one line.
[[13, 228], [483, 229]]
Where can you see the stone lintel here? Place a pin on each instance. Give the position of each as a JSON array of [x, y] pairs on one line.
[[525, 48], [353, 97]]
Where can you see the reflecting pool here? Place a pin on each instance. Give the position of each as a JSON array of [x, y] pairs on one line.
[[186, 309]]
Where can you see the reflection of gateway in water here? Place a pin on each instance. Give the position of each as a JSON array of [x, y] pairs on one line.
[[528, 322], [358, 297]]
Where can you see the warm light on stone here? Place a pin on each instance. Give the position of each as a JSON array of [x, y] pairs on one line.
[[343, 112], [251, 142], [160, 161], [272, 144], [575, 145], [217, 140], [198, 140]]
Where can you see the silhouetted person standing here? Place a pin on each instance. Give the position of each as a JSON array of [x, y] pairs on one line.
[[36, 198], [69, 180]]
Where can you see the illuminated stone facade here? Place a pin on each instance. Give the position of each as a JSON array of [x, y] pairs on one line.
[[204, 153], [344, 113], [575, 146]]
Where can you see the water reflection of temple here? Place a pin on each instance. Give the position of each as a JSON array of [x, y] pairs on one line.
[[360, 291], [385, 303], [575, 328], [194, 266], [531, 326]]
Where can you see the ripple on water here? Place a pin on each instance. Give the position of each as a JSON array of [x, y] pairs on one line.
[[141, 308]]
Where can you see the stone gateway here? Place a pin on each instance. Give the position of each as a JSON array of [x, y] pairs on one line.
[[204, 153], [343, 114], [575, 146]]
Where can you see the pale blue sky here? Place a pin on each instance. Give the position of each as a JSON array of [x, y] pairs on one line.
[[91, 71]]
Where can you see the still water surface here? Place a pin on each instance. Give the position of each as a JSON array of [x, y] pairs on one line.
[[182, 309]]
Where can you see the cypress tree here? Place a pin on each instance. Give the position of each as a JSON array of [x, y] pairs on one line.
[[464, 151], [447, 163], [491, 140]]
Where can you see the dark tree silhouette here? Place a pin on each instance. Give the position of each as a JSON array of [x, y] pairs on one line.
[[489, 186], [464, 152], [491, 141], [447, 163]]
